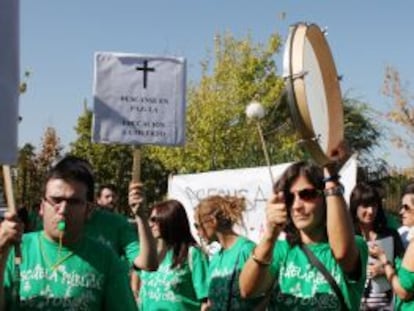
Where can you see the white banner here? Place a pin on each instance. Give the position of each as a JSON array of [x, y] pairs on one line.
[[9, 80], [252, 183], [139, 99]]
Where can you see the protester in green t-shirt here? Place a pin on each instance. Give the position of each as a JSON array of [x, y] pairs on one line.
[[107, 197], [401, 277], [370, 223], [180, 283], [308, 205], [215, 217], [62, 268]]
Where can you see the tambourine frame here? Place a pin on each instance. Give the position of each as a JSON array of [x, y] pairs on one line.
[[296, 89]]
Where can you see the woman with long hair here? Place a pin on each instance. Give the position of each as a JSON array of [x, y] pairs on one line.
[[370, 222], [180, 283], [215, 218], [320, 265], [401, 274]]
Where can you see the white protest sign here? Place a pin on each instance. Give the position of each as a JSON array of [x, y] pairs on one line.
[[9, 80], [252, 183], [139, 99]]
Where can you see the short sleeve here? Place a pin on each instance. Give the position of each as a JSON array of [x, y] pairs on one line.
[[129, 241], [245, 253], [406, 279], [199, 272]]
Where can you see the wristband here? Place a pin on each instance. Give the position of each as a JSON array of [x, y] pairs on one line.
[[260, 262], [334, 191], [334, 177]]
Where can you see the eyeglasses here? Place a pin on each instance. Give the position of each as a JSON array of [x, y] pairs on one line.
[[406, 208], [307, 194], [154, 219], [56, 202]]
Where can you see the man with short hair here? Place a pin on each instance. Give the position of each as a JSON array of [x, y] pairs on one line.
[[62, 268], [107, 197]]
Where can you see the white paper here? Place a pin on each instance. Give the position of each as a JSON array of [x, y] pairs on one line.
[[380, 284], [139, 99], [252, 183], [9, 80]]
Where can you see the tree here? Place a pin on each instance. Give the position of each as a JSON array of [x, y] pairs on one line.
[[50, 150], [401, 112], [32, 168], [218, 134], [27, 182], [113, 163]]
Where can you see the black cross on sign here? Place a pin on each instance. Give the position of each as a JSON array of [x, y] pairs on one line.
[[145, 70]]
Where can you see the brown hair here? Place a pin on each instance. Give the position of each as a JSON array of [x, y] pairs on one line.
[[228, 210], [175, 229]]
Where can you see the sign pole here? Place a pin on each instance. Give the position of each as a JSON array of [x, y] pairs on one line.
[[136, 164]]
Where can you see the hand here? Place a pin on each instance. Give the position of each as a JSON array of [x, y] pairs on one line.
[[136, 198], [11, 231], [276, 213], [338, 156], [378, 253], [375, 269]]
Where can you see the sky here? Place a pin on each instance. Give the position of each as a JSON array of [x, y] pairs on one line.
[[59, 38]]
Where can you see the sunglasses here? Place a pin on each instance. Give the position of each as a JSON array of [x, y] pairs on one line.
[[56, 202], [406, 208], [307, 194], [154, 219]]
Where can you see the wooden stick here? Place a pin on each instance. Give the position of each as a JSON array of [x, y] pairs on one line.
[[266, 153], [8, 187], [136, 165], [11, 203]]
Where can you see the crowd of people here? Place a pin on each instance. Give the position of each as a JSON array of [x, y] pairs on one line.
[[315, 253]]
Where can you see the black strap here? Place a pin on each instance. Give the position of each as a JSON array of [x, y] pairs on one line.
[[329, 278]]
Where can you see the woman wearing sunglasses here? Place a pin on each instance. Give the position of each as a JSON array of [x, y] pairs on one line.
[[370, 222], [312, 211], [180, 283], [215, 217], [401, 275]]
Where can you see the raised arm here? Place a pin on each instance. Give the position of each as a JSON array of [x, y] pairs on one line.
[[147, 258], [340, 230], [255, 277]]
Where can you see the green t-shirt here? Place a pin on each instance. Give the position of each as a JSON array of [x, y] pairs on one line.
[[301, 286], [114, 231], [180, 288], [85, 276], [224, 270], [35, 221], [406, 278]]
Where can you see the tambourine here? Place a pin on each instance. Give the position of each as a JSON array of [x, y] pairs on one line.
[[313, 90]]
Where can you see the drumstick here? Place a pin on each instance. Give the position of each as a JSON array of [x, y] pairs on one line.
[[266, 153]]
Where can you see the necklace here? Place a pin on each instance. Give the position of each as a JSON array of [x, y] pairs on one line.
[[59, 259]]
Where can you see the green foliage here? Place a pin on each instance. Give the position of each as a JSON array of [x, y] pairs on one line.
[[218, 135], [27, 183], [32, 167], [113, 163]]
